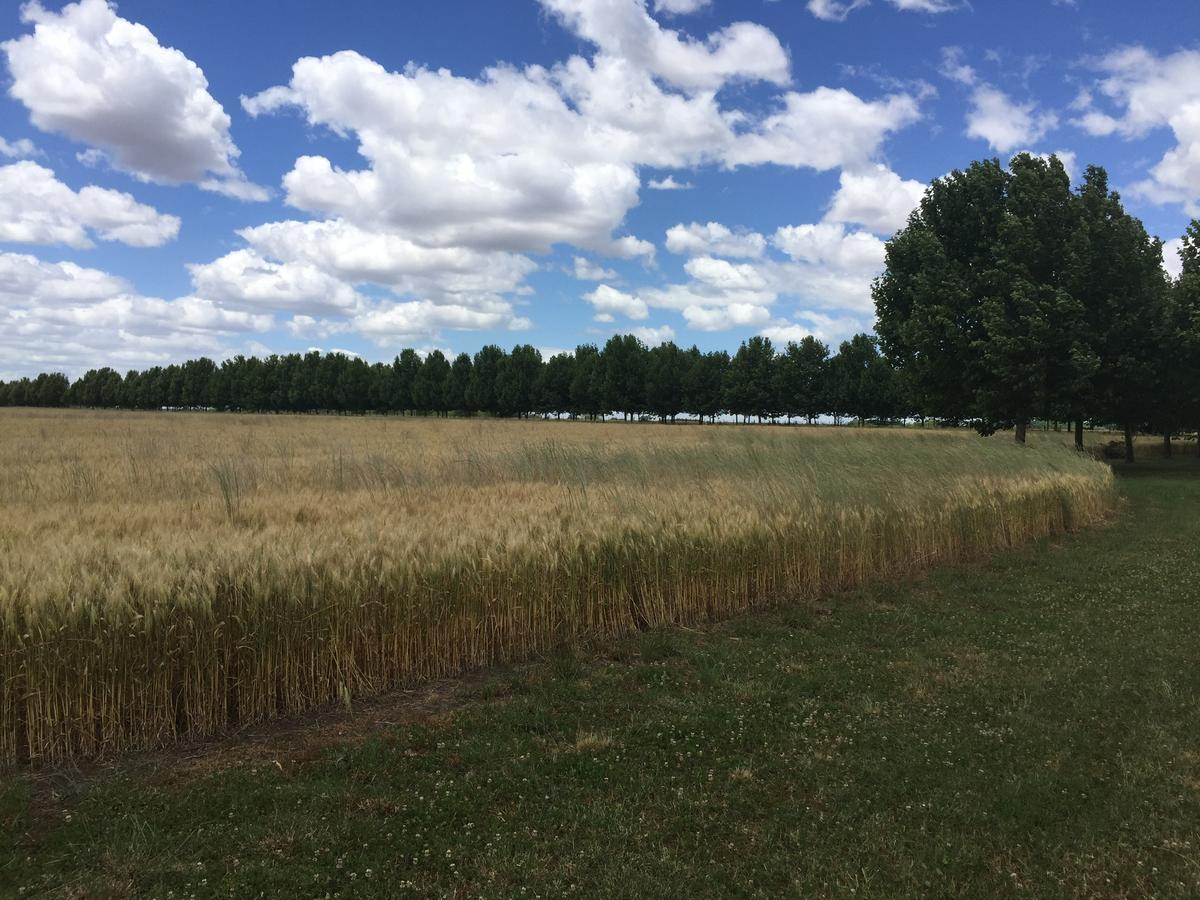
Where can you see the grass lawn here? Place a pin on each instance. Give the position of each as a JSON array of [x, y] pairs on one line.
[[1028, 726]]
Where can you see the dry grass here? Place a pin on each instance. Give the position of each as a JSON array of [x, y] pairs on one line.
[[173, 575]]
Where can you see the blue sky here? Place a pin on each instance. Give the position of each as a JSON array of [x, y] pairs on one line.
[[219, 178]]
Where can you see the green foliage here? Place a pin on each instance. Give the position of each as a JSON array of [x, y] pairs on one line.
[[1008, 297]]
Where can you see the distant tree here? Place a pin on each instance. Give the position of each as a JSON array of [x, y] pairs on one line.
[[552, 392], [623, 373], [429, 387], [704, 383], [459, 385], [666, 365], [587, 377], [518, 376], [803, 375], [485, 375], [405, 370], [750, 380], [853, 379]]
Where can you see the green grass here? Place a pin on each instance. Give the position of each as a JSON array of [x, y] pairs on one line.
[[1024, 727]]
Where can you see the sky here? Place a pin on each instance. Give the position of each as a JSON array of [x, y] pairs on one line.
[[221, 178]]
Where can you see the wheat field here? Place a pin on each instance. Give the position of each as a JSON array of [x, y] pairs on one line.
[[168, 576]]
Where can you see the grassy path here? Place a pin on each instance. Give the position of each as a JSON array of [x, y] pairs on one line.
[[1025, 727]]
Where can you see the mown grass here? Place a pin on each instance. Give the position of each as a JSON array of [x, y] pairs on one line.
[[1028, 726], [168, 577]]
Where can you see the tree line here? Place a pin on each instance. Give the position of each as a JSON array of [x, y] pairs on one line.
[[624, 377], [1010, 297]]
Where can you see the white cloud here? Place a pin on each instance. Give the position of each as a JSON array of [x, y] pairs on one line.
[[608, 301], [522, 160], [742, 51], [586, 270], [1004, 123], [356, 256], [933, 7], [392, 324], [831, 330], [669, 184], [25, 278], [58, 316], [680, 7], [107, 82], [714, 239], [834, 10], [1153, 92], [735, 315], [828, 268], [37, 208], [727, 277], [831, 268], [824, 129], [245, 280], [838, 10], [876, 198], [653, 336], [17, 149], [955, 68], [501, 163], [1171, 261]]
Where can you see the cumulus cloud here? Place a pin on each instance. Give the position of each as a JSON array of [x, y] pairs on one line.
[[105, 81], [392, 324], [831, 268], [827, 267], [954, 67], [824, 129], [742, 51], [669, 184], [1152, 92], [37, 208], [829, 329], [586, 270], [459, 180], [653, 336], [876, 198], [243, 279], [933, 7], [608, 301], [834, 10], [838, 10], [1004, 123], [714, 239], [520, 160], [680, 7], [356, 255], [62, 316], [23, 147]]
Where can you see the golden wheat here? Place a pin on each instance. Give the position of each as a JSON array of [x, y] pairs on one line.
[[167, 576]]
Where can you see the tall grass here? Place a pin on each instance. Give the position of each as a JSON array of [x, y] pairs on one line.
[[210, 571]]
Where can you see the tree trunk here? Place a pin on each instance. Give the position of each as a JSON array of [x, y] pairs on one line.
[[1079, 434], [1128, 443], [1020, 431], [1167, 445]]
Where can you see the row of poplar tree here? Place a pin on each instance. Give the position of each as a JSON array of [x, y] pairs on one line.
[[624, 377], [1010, 297]]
